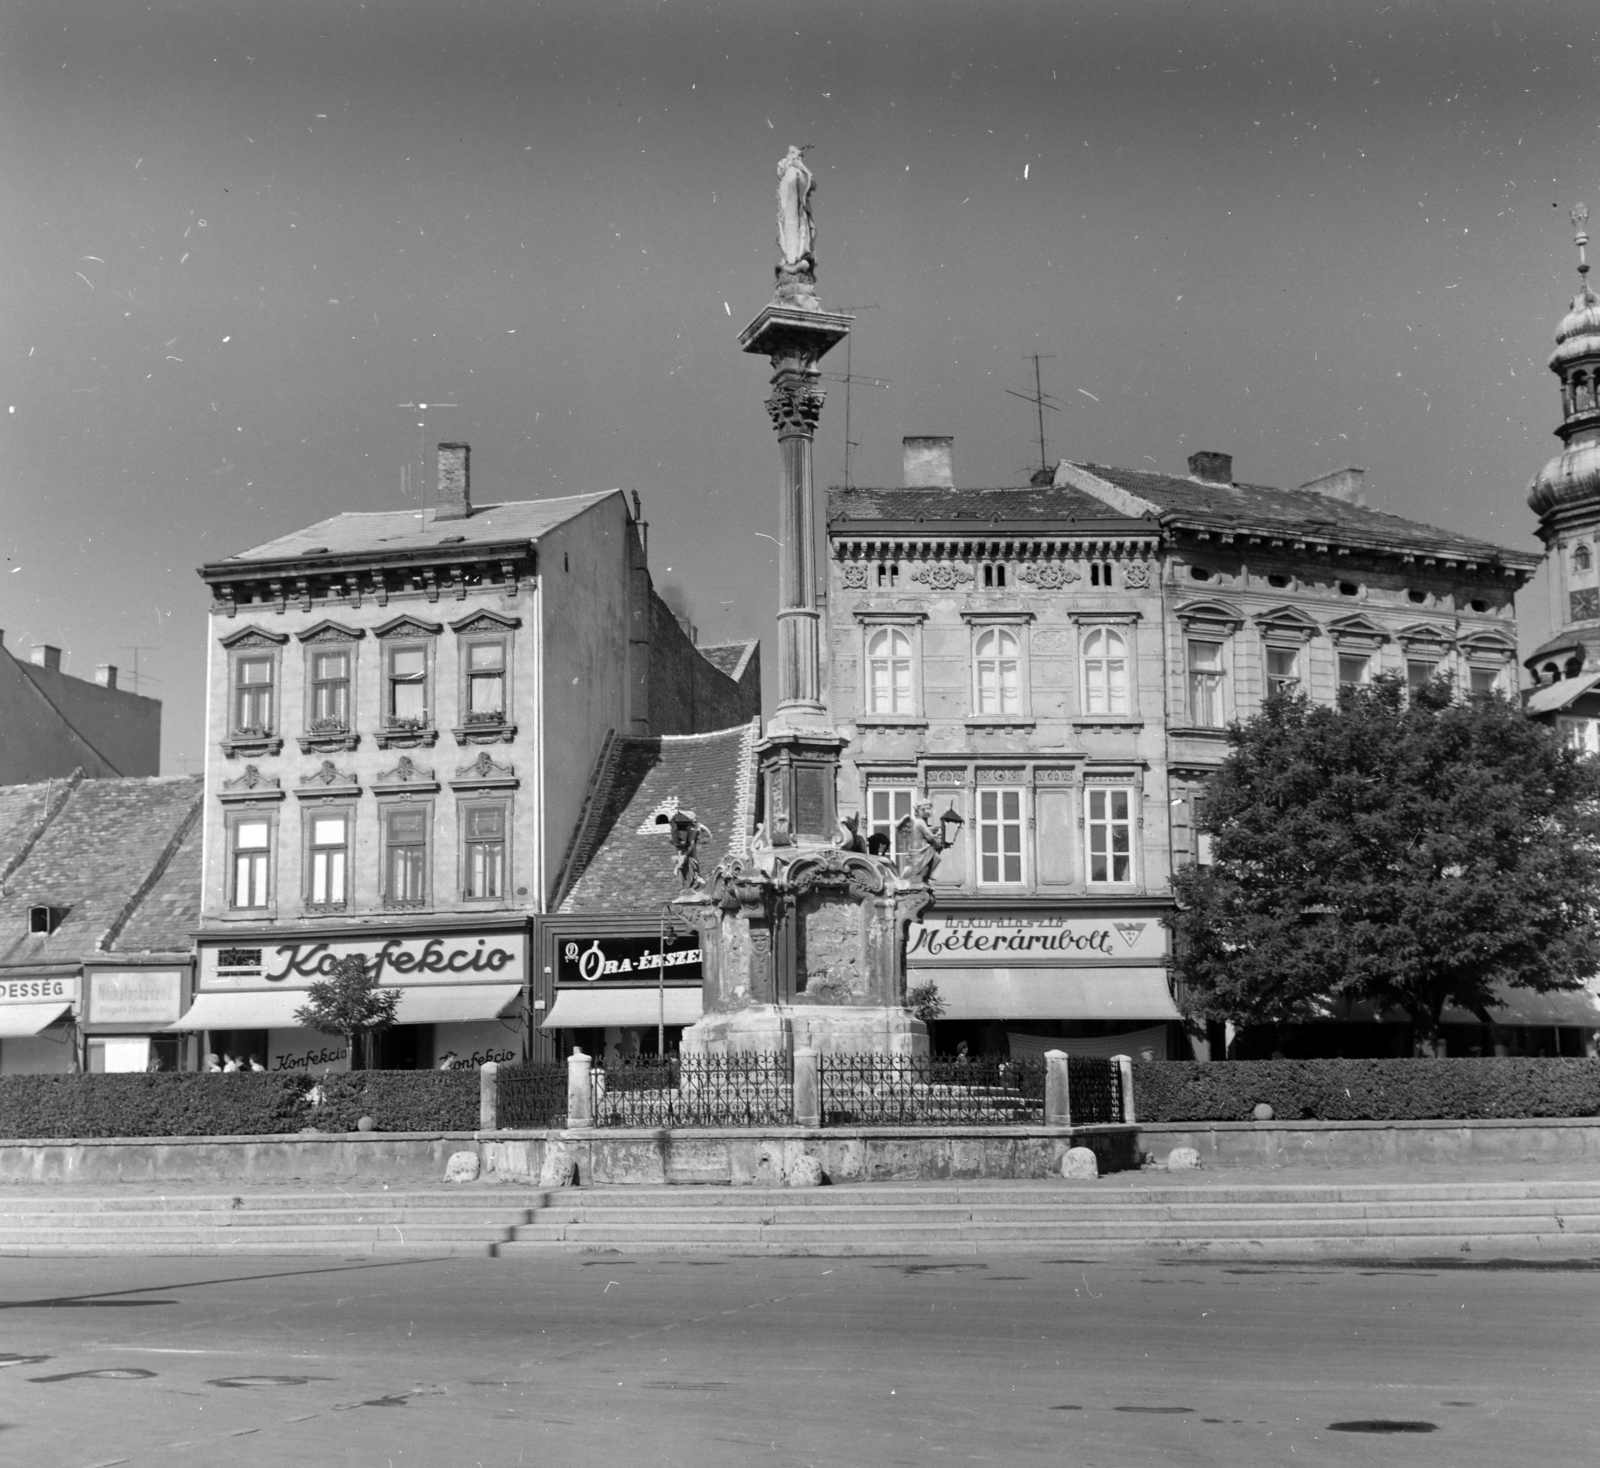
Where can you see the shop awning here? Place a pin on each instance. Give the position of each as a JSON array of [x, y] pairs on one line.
[[1524, 1007], [585, 1009], [18, 1021], [256, 1009], [444, 1004], [1050, 993]]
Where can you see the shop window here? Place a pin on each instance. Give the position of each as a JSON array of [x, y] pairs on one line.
[[1105, 672], [486, 682], [406, 693], [996, 672], [887, 806], [405, 855], [1000, 837], [329, 863], [1108, 828], [1283, 670], [483, 845], [330, 692], [889, 672], [252, 861], [1206, 709], [252, 695]]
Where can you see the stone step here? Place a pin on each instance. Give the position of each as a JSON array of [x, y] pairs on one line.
[[162, 1248], [496, 1196], [241, 1220], [332, 1233]]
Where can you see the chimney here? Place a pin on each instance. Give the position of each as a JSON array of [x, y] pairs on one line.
[[929, 463], [455, 495], [1342, 484], [45, 656], [106, 675], [1211, 468]]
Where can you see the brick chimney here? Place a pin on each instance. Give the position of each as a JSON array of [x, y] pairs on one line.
[[45, 656], [1342, 484], [1211, 468], [929, 463], [106, 675], [455, 491]]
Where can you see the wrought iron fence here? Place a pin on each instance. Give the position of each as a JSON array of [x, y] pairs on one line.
[[890, 1090], [532, 1095], [696, 1090], [1094, 1086]]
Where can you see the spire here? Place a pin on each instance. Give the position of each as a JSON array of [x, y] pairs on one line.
[[1580, 226]]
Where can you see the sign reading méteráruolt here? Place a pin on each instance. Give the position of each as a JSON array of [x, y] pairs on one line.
[[297, 963], [135, 996], [1009, 942]]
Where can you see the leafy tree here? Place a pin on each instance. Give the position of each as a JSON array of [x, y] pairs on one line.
[[1411, 851], [349, 1004], [925, 1001]]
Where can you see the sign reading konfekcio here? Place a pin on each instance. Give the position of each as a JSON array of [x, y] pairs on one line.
[[1007, 942], [454, 958]]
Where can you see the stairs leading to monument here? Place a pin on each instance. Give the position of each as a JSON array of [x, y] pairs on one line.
[[1205, 1217]]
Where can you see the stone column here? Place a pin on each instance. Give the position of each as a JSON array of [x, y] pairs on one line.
[[795, 406], [580, 1099], [1124, 1065], [488, 1097], [807, 1088], [1057, 1089]]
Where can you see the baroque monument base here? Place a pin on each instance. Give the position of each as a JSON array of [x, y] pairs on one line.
[[829, 1029]]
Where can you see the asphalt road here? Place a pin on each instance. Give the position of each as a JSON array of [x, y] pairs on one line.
[[620, 1360]]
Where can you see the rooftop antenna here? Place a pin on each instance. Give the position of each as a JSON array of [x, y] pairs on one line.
[[136, 648], [422, 449], [847, 377], [1041, 400]]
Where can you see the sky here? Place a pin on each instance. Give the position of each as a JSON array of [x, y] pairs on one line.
[[238, 237]]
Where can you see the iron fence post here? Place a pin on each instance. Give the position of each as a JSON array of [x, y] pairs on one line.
[[1057, 1089], [488, 1097], [1124, 1065], [580, 1098]]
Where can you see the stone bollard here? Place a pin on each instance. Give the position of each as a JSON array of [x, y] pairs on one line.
[[489, 1097], [580, 1099], [1057, 1089], [1124, 1065], [807, 1088]]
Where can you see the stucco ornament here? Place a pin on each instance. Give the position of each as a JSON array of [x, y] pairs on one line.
[[1050, 576]]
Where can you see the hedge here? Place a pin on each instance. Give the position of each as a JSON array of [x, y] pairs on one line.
[[208, 1104], [1366, 1090]]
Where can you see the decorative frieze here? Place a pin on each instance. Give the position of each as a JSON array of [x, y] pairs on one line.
[[943, 576], [251, 785], [1048, 575]]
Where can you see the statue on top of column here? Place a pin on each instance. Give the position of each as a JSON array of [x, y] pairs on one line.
[[797, 232]]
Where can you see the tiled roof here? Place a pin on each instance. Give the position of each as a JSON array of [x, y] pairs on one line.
[[105, 845], [405, 532], [1235, 507], [21, 809], [731, 658], [163, 918], [619, 863], [1046, 502]]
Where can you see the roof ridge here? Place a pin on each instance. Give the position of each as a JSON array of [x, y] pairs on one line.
[[744, 791], [580, 847], [703, 734], [72, 728], [53, 806]]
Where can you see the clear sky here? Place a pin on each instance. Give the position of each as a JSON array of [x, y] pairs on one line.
[[237, 237]]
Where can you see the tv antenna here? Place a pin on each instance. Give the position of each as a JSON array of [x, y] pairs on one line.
[[136, 648], [422, 449], [1040, 400], [847, 377]]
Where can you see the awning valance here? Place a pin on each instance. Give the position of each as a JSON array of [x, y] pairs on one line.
[[585, 1009], [18, 1021], [444, 1004], [255, 1009], [1524, 1007], [1051, 993]]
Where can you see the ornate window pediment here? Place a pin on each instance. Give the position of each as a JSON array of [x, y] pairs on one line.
[[326, 631], [406, 775], [1489, 642], [248, 637], [1357, 630], [485, 621], [328, 780], [1287, 622], [252, 785], [484, 774], [408, 627], [1210, 614], [1426, 635]]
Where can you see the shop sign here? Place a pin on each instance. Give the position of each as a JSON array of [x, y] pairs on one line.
[[135, 996], [31, 991], [292, 1050], [459, 958], [1007, 942], [628, 959]]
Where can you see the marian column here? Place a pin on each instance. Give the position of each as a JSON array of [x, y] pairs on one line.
[[800, 754]]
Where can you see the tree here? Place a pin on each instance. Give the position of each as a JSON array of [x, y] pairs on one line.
[[1407, 850], [349, 1003]]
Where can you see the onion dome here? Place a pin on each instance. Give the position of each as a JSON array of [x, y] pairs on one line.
[[1573, 476]]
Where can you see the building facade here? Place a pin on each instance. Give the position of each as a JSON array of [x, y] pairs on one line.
[[1054, 669], [53, 724], [404, 713]]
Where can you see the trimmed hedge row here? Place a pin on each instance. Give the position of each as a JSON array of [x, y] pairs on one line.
[[169, 1104], [1464, 1089]]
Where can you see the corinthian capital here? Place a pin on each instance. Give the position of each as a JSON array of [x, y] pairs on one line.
[[795, 407]]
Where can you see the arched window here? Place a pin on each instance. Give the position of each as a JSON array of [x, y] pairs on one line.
[[1582, 558], [1105, 672], [889, 686], [998, 685]]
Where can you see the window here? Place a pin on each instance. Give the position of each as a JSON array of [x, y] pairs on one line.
[[330, 690], [1199, 573], [1349, 588], [405, 856], [1277, 579], [1105, 672], [1205, 684], [486, 682], [1420, 672], [1109, 828], [889, 688], [1581, 559], [252, 852], [1484, 680], [1582, 735], [484, 845], [1355, 669], [1000, 836], [888, 575], [995, 665], [252, 700], [1202, 839], [330, 860], [887, 806], [1283, 670], [406, 697], [1100, 573], [994, 576], [1419, 597]]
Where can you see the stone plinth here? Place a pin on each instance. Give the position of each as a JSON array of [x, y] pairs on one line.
[[828, 1029]]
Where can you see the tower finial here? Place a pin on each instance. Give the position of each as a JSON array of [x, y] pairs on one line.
[[1580, 225]]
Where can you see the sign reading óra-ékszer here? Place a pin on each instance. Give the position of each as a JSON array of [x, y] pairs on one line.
[[299, 962], [1007, 942], [626, 959]]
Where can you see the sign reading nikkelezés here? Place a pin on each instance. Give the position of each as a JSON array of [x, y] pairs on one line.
[[628, 959], [135, 996], [461, 958], [1001, 942], [31, 991]]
